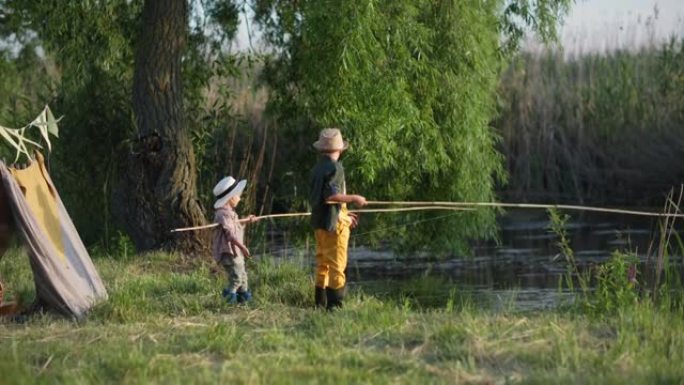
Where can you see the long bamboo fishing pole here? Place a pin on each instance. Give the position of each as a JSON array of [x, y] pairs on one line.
[[526, 205], [442, 205], [285, 215]]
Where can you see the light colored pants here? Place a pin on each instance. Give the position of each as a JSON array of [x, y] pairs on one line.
[[331, 253], [237, 275]]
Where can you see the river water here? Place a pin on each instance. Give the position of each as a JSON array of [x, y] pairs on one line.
[[522, 270]]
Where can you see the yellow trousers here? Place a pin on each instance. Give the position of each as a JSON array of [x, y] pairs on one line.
[[331, 253]]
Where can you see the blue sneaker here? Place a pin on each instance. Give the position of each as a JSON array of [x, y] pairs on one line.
[[244, 296], [231, 298]]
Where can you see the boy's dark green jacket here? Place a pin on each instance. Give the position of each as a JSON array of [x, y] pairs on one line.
[[327, 179]]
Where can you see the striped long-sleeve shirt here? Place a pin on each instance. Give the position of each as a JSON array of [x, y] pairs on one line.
[[229, 229]]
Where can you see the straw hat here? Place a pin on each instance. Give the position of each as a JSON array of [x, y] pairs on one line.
[[227, 188], [330, 139]]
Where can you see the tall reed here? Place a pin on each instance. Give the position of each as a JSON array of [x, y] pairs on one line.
[[598, 127]]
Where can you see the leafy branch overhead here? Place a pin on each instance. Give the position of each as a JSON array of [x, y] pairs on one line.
[[45, 122]]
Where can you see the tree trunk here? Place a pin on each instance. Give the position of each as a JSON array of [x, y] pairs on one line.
[[158, 189]]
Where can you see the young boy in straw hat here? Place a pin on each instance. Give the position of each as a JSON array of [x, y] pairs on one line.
[[329, 217], [228, 248]]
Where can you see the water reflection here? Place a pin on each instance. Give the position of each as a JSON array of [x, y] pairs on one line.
[[527, 255]]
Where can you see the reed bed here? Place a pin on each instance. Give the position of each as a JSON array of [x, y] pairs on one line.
[[596, 127]]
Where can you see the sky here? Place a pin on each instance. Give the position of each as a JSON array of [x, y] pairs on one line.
[[599, 25]]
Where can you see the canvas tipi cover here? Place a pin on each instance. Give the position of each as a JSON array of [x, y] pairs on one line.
[[65, 277]]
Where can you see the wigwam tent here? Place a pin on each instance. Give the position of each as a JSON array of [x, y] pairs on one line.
[[64, 274], [65, 277]]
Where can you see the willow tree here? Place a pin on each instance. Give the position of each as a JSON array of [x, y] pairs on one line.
[[129, 77], [412, 85]]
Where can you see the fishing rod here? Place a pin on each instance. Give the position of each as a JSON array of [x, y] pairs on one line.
[[302, 214], [528, 206], [465, 206]]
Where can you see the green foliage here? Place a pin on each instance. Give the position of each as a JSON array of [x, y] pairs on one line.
[[412, 85], [25, 87], [91, 90], [614, 281], [558, 225], [615, 288], [25, 71], [85, 73], [617, 285], [541, 15]]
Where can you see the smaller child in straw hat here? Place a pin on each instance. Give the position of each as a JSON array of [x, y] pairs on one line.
[[330, 219], [228, 247]]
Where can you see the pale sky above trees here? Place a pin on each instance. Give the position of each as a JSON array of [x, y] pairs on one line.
[[597, 25]]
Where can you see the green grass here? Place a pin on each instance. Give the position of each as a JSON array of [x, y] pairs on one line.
[[165, 323]]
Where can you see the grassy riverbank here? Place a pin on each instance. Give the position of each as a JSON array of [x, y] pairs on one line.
[[165, 323]]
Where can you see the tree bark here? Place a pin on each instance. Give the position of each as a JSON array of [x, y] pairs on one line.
[[158, 189]]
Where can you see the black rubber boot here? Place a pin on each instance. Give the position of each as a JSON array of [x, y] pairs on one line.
[[335, 297], [320, 297]]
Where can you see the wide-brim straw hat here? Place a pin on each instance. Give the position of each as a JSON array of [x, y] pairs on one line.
[[227, 188], [330, 139]]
